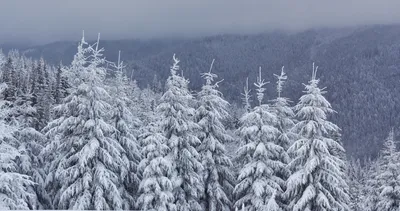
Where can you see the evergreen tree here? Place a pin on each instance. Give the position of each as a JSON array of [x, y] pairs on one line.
[[371, 196], [42, 94], [156, 186], [389, 174], [146, 105], [318, 179], [14, 185], [61, 85], [31, 143], [3, 58], [356, 177], [57, 92], [23, 77], [122, 118], [285, 114], [259, 181], [246, 99], [85, 159], [180, 131], [285, 122], [22, 116], [217, 175], [8, 77], [156, 85]]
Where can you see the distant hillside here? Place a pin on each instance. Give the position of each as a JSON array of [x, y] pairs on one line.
[[359, 66]]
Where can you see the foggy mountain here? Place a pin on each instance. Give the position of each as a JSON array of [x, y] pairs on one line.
[[360, 67]]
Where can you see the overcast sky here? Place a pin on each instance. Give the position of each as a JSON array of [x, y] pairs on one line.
[[51, 20]]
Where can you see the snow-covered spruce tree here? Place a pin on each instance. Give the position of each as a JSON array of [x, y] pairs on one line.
[[42, 94], [246, 99], [3, 58], [148, 101], [285, 122], [8, 77], [259, 181], [246, 102], [61, 85], [14, 185], [356, 179], [22, 116], [85, 162], [217, 176], [121, 119], [318, 179], [31, 143], [180, 130], [370, 198], [156, 186], [389, 191], [285, 114], [156, 85]]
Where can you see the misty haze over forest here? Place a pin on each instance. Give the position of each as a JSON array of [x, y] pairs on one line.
[[209, 105], [64, 20]]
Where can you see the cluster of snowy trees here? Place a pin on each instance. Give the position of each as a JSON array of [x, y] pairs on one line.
[[375, 185], [84, 136]]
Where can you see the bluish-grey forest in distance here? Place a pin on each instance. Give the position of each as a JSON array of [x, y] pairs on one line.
[[275, 121], [358, 65]]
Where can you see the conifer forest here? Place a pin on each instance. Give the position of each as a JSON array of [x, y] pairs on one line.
[[200, 105], [85, 136]]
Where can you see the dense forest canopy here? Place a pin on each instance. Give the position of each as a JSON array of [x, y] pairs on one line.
[[95, 133], [359, 66]]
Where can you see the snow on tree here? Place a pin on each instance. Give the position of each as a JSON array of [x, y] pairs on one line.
[[246, 102], [259, 180], [122, 119], [85, 162], [31, 142], [61, 85], [217, 175], [371, 197], [180, 130], [389, 174], [14, 193], [2, 58], [147, 101], [318, 180], [42, 94], [73, 72], [357, 180], [156, 186], [8, 77], [246, 99], [285, 114], [22, 115], [285, 122], [156, 85], [14, 186]]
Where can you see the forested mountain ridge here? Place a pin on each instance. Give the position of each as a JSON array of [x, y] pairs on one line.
[[360, 66], [84, 135]]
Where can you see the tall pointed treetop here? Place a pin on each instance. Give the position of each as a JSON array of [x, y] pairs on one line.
[[175, 66], [83, 37], [246, 96], [209, 77], [281, 80], [98, 41], [260, 87], [318, 178]]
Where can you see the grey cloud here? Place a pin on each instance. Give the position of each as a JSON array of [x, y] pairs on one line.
[[50, 20]]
